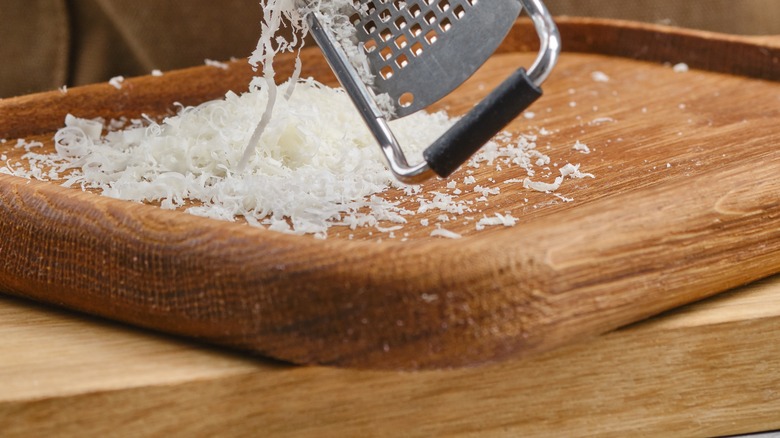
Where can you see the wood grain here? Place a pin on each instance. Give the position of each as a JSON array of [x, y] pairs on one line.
[[684, 206], [709, 369]]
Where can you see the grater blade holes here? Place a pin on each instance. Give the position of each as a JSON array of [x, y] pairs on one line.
[[386, 72], [402, 41], [431, 37], [386, 53], [369, 46], [445, 25], [417, 49], [369, 27], [402, 61], [459, 12], [406, 100]]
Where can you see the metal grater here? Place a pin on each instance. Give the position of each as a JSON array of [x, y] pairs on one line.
[[421, 50]]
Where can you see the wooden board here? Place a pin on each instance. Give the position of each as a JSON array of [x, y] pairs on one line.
[[709, 369], [683, 206]]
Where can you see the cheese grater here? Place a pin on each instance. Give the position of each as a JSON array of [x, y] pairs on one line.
[[418, 52]]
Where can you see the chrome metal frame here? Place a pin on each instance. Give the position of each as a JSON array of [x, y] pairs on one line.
[[550, 46]]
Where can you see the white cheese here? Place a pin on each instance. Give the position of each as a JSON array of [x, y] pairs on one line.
[[442, 232], [117, 82], [581, 147], [599, 76], [570, 170], [216, 64], [506, 220]]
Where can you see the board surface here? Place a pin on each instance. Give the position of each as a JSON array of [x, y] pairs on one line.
[[683, 206], [708, 369]]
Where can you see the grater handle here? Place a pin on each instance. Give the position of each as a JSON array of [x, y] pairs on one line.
[[480, 124]]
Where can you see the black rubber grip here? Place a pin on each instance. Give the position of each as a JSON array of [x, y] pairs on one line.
[[484, 121]]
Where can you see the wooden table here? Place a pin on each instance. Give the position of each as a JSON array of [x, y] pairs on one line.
[[711, 368], [706, 369]]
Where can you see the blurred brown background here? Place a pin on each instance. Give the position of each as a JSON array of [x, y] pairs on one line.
[[45, 44]]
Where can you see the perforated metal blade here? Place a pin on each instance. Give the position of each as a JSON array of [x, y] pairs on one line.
[[421, 50]]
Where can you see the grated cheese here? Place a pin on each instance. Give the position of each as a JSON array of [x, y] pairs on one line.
[[600, 120], [570, 170], [581, 147], [506, 220], [442, 232], [298, 164], [317, 165], [599, 76], [216, 64], [116, 82]]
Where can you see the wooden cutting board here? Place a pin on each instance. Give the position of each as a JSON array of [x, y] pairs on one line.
[[684, 205]]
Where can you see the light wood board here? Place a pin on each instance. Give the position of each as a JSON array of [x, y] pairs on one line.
[[709, 369]]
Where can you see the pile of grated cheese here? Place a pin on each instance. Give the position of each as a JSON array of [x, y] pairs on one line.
[[311, 162], [317, 165]]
